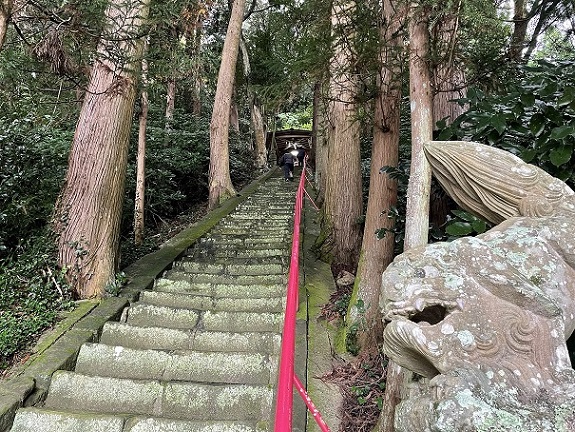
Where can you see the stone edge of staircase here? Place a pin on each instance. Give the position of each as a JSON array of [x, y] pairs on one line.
[[59, 348]]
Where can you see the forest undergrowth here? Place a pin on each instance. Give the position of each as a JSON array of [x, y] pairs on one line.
[[361, 380]]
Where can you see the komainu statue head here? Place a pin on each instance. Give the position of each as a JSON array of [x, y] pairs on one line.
[[482, 321]]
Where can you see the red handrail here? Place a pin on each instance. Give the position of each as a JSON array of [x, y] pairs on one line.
[[284, 401]]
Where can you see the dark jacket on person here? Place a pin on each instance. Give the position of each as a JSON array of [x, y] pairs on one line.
[[287, 158]]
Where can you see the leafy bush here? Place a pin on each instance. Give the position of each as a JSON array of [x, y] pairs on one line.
[[32, 293], [534, 119], [33, 162]]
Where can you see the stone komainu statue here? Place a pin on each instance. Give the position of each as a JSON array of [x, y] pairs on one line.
[[483, 320]]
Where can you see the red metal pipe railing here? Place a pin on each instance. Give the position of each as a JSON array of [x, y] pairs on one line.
[[287, 378]]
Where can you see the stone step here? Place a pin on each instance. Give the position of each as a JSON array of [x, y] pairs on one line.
[[143, 315], [148, 364], [129, 336], [277, 217], [181, 283], [42, 420], [221, 251], [178, 400], [223, 279], [257, 221], [187, 301], [256, 232], [263, 267], [159, 316], [246, 242]]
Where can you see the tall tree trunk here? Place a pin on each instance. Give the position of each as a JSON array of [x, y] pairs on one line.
[[377, 253], [417, 212], [88, 212], [234, 115], [340, 231], [258, 127], [139, 200], [449, 79], [170, 102], [259, 137], [197, 63], [5, 13], [319, 141], [519, 36], [220, 183]]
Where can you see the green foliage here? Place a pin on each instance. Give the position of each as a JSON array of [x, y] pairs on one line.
[[33, 160], [465, 224], [114, 287], [534, 118], [32, 294], [296, 120]]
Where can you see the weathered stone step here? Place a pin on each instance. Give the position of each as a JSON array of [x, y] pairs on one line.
[[178, 400], [277, 217], [252, 232], [129, 336], [159, 316], [221, 251], [121, 362], [143, 315], [206, 278], [41, 420], [187, 301], [181, 283], [264, 267], [278, 241], [242, 321], [256, 221]]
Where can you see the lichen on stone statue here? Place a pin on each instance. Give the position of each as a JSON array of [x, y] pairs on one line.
[[483, 320]]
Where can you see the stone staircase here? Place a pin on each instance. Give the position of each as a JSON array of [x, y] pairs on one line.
[[199, 352]]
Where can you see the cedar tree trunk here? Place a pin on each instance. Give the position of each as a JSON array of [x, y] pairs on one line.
[[417, 212], [170, 102], [520, 24], [141, 161], [220, 183], [88, 212], [377, 253], [5, 13], [340, 235], [448, 77]]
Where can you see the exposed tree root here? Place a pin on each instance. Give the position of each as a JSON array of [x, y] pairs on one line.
[[362, 383]]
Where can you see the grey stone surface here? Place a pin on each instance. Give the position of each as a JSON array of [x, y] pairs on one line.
[[182, 365], [484, 319], [31, 419]]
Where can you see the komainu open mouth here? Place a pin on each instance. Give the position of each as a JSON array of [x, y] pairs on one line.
[[423, 312]]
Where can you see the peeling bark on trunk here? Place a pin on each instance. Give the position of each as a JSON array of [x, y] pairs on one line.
[[258, 127], [376, 254], [88, 213], [234, 116], [139, 200], [319, 143], [449, 79], [197, 68], [5, 13], [259, 138], [170, 102], [520, 24], [417, 212], [220, 184], [340, 231]]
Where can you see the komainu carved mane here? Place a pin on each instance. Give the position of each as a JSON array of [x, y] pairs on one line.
[[495, 184]]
